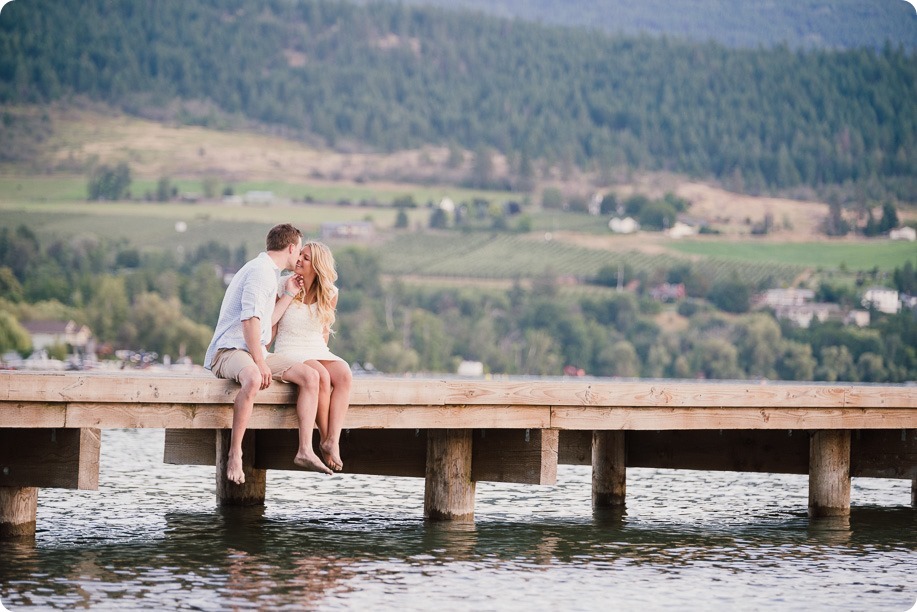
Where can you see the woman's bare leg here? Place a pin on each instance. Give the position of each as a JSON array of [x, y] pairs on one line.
[[324, 396], [307, 380], [341, 379]]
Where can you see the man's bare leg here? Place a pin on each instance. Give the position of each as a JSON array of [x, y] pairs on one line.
[[307, 380], [242, 406], [341, 379]]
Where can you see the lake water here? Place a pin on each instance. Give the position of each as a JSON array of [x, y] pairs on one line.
[[152, 538]]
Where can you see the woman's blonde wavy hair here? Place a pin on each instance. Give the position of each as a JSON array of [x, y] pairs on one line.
[[323, 286]]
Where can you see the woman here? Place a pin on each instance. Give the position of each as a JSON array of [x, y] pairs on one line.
[[302, 332]]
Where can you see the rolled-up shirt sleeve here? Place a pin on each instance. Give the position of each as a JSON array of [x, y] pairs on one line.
[[252, 303]]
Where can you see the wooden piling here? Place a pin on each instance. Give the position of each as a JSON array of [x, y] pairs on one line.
[[252, 491], [449, 493], [829, 473], [18, 507], [609, 481]]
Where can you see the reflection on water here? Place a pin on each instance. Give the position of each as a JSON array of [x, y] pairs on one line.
[[152, 538]]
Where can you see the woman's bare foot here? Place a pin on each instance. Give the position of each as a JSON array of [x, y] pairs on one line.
[[311, 463], [234, 470], [332, 454]]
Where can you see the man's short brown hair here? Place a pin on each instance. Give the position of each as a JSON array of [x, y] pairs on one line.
[[281, 236]]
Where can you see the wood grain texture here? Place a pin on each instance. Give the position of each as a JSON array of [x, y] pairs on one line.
[[18, 506], [609, 479], [205, 389], [190, 447], [252, 491], [513, 455], [52, 458], [105, 400], [829, 474], [449, 490]]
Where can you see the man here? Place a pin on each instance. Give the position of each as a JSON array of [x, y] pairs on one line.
[[239, 352]]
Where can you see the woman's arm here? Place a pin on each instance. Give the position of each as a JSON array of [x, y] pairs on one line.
[[290, 289]]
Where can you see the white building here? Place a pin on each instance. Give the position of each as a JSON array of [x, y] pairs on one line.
[[50, 333], [882, 299], [627, 225], [470, 368], [680, 230], [803, 315], [903, 233], [777, 298], [352, 230]]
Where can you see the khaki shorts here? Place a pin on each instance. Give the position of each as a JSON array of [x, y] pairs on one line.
[[229, 363]]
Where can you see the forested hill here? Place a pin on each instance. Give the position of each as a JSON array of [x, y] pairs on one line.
[[831, 24], [393, 77]]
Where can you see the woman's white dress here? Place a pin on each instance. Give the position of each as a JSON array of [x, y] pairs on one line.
[[299, 334]]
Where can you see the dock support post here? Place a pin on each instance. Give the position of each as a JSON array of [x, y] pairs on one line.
[[609, 479], [252, 491], [18, 507], [829, 473], [449, 492]]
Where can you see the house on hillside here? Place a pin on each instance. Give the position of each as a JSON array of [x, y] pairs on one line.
[[352, 230], [49, 333], [882, 299], [627, 225], [668, 292], [802, 315], [903, 233], [258, 198], [777, 298]]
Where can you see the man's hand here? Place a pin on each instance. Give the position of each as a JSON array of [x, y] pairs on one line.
[[265, 374]]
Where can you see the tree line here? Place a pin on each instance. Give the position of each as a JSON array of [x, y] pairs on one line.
[[392, 77], [155, 302]]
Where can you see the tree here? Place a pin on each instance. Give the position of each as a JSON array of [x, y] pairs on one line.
[[163, 189], [108, 307], [836, 364], [619, 359], [539, 354], [13, 336], [871, 367], [552, 199], [795, 361], [439, 219], [715, 358], [835, 224], [482, 169], [758, 340], [10, 289], [730, 295], [107, 183], [401, 219], [889, 219]]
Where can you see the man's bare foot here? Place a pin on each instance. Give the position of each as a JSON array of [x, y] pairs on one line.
[[311, 463], [234, 470], [332, 455]]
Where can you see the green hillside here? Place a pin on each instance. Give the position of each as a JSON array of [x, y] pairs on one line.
[[838, 24], [394, 77]]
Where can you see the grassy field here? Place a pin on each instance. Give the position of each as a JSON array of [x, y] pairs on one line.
[[488, 256], [339, 186], [862, 255], [73, 189], [446, 255]]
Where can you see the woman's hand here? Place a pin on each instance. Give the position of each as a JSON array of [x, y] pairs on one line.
[[294, 284]]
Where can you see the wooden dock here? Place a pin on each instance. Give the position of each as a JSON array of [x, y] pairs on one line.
[[454, 433]]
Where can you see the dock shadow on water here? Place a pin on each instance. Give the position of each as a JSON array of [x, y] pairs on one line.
[[152, 538]]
